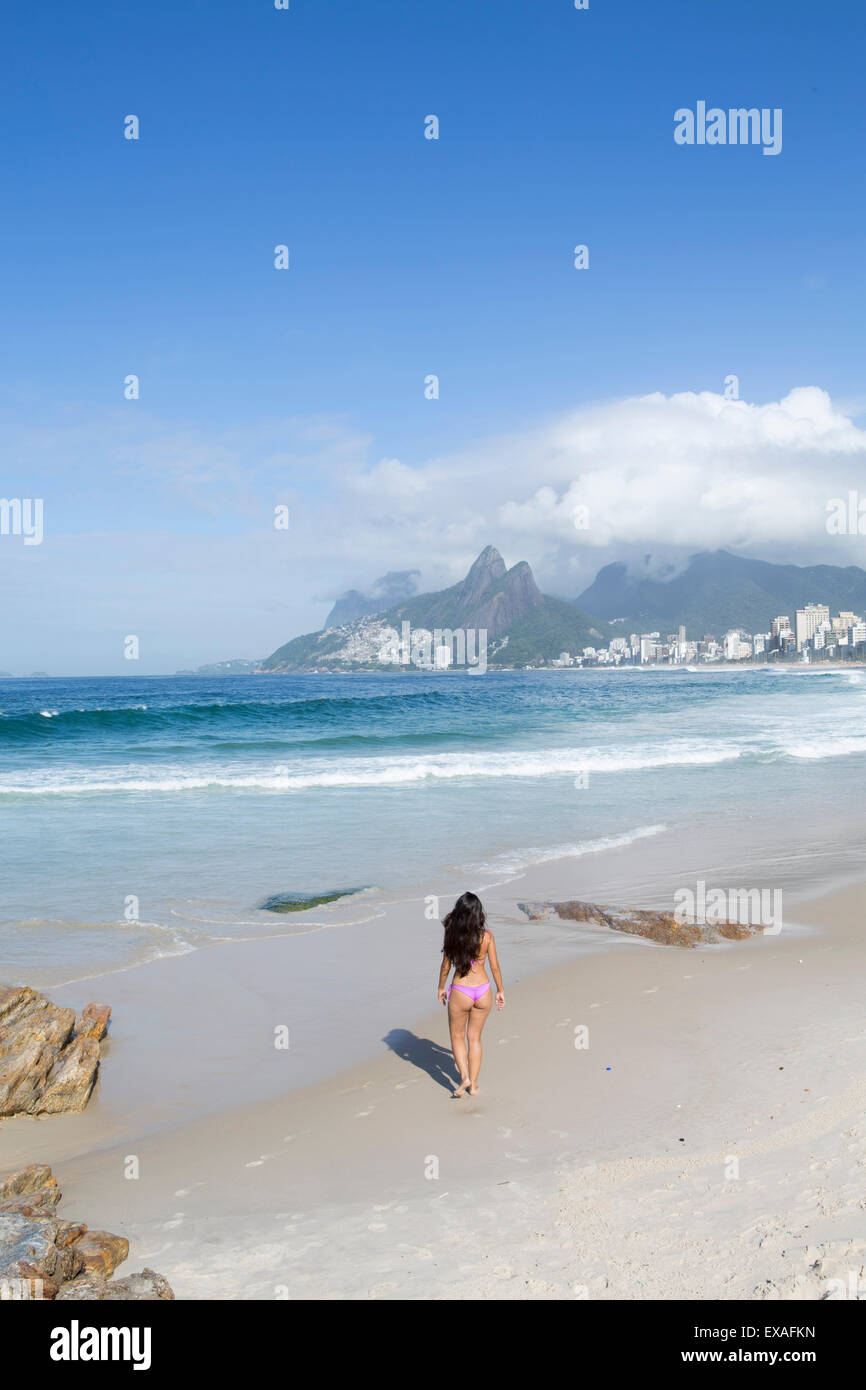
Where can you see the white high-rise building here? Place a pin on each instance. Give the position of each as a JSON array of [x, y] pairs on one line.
[[807, 621], [649, 646]]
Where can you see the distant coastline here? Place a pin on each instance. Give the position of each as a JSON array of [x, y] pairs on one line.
[[789, 665]]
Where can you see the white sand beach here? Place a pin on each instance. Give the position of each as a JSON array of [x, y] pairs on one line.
[[708, 1143]]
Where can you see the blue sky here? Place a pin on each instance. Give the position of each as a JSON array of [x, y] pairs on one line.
[[408, 257]]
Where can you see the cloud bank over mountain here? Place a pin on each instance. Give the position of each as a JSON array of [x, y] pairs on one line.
[[695, 470], [686, 472], [164, 526]]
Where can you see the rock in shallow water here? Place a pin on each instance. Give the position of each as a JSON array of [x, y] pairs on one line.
[[663, 927], [300, 902], [48, 1061]]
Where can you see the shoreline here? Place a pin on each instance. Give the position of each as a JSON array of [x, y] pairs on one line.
[[324, 1190], [690, 668], [275, 978]]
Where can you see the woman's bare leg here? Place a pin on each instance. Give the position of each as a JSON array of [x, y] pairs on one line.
[[459, 1009], [477, 1020]]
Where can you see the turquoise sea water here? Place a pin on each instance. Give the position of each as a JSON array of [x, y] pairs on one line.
[[201, 797]]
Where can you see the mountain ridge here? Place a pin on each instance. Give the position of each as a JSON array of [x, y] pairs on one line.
[[715, 592], [718, 591], [505, 603], [353, 604]]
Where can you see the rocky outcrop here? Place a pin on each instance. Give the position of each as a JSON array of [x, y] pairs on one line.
[[101, 1252], [43, 1257], [663, 927], [93, 1022], [49, 1060], [146, 1285]]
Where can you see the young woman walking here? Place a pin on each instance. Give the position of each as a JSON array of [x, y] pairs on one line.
[[468, 946]]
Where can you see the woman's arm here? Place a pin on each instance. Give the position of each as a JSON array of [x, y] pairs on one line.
[[443, 976], [497, 973]]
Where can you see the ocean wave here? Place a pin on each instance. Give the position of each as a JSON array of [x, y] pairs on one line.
[[512, 861], [393, 772], [193, 716], [827, 748], [319, 742]]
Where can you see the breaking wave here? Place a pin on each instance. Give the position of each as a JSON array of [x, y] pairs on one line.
[[378, 772]]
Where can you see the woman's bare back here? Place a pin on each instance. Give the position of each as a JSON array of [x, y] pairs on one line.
[[477, 972]]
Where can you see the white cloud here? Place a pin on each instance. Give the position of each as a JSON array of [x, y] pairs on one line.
[[392, 480], [693, 470], [171, 527]]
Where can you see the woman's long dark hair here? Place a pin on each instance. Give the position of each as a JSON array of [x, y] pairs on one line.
[[464, 928]]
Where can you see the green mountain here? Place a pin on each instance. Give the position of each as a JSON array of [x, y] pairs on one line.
[[718, 591], [523, 625]]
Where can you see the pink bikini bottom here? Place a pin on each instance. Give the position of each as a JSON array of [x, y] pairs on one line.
[[474, 991]]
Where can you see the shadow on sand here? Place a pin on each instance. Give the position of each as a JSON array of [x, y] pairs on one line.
[[425, 1054]]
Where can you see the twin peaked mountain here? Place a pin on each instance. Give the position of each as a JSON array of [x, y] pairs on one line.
[[523, 625], [714, 592]]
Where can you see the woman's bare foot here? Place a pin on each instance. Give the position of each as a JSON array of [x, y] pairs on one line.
[[462, 1087], [473, 1090]]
